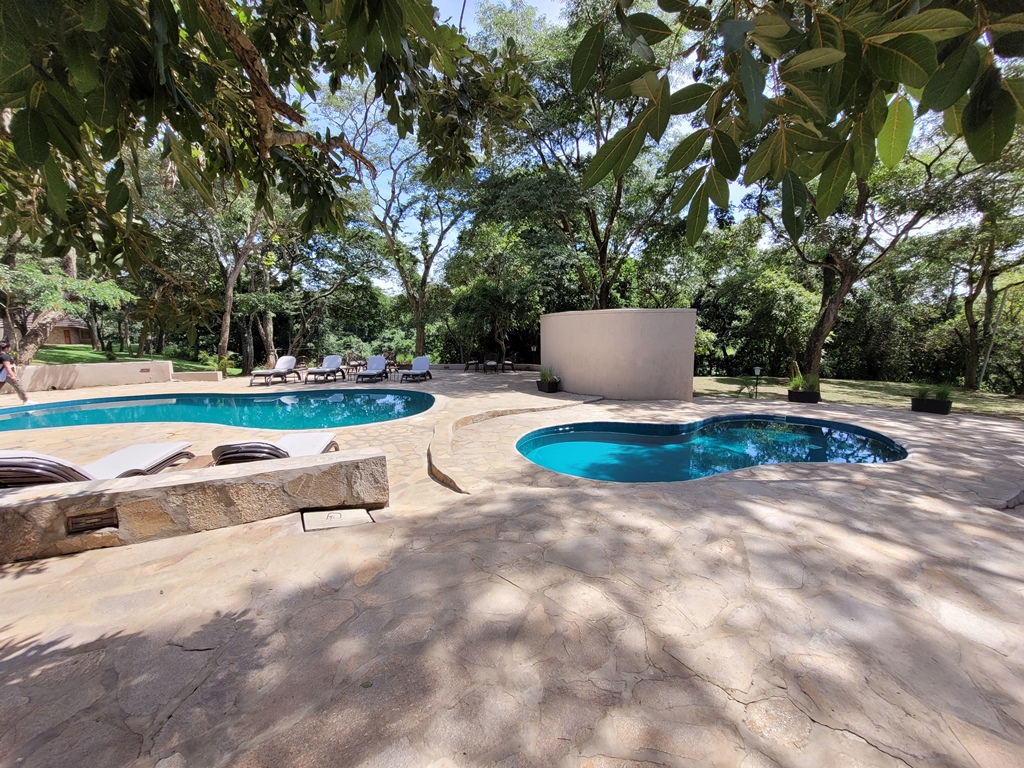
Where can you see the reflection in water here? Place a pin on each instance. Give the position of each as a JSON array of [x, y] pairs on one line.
[[312, 410], [644, 453]]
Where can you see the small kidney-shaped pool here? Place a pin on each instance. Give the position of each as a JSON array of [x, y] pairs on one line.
[[623, 452], [317, 409]]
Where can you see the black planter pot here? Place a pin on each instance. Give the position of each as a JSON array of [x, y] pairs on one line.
[[548, 386], [800, 396], [930, 405]]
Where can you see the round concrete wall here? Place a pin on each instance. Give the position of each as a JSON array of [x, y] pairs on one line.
[[623, 354]]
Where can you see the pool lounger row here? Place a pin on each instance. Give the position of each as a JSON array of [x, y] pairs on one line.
[[20, 468]]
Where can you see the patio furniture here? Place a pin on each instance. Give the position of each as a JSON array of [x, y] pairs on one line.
[[289, 446], [354, 362], [285, 367], [329, 369], [20, 468], [420, 370], [491, 363], [509, 361], [376, 369], [474, 360]]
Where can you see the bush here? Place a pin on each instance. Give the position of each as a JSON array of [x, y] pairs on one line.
[[547, 373]]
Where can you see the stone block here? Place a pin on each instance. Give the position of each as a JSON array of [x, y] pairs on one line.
[[33, 521]]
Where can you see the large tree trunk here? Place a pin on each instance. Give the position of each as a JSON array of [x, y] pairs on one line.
[[828, 316], [265, 325], [241, 256], [248, 352], [421, 331], [972, 344]]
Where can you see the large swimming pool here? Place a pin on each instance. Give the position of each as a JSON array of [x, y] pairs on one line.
[[317, 409], [651, 453]]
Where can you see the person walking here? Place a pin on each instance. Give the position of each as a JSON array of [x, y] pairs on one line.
[[7, 372]]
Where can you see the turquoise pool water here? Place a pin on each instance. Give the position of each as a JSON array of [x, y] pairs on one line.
[[317, 409], [652, 453]]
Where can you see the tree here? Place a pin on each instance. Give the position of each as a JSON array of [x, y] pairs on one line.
[[840, 76], [223, 87]]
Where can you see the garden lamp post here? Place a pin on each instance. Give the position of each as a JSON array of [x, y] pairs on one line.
[[757, 379]]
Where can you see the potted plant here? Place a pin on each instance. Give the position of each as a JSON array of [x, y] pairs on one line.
[[548, 381], [940, 403], [403, 362], [804, 389]]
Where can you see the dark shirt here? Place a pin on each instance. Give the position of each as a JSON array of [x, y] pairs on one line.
[[5, 358]]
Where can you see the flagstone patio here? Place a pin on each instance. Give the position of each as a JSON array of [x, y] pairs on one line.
[[791, 615]]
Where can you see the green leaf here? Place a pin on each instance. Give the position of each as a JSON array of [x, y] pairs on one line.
[[1015, 85], [651, 27], [726, 154], [863, 139], [83, 68], [103, 106], [718, 188], [57, 189], [770, 26], [691, 98], [613, 151], [661, 111], [421, 18], [686, 191], [813, 59], [94, 15], [686, 151], [937, 24], [674, 6], [117, 198], [986, 141], [28, 131], [587, 57], [697, 215], [909, 59], [695, 17], [952, 79], [835, 177], [894, 138], [734, 32], [794, 205], [634, 136], [752, 80], [392, 26], [952, 118], [648, 86], [620, 86], [806, 91], [760, 163], [1012, 23]]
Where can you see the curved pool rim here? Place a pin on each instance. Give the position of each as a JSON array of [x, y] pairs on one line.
[[430, 402], [662, 429]]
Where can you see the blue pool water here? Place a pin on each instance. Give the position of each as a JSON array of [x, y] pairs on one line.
[[317, 409], [652, 453]]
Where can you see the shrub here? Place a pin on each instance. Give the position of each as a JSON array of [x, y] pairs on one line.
[[811, 383], [944, 391], [547, 373], [796, 383]]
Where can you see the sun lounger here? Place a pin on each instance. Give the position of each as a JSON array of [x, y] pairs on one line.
[[329, 368], [420, 370], [289, 446], [285, 367], [21, 468], [376, 369]]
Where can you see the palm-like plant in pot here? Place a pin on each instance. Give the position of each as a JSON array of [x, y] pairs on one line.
[[804, 389], [548, 381], [933, 399]]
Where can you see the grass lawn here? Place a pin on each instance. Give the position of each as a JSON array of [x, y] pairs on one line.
[[77, 354], [884, 393]]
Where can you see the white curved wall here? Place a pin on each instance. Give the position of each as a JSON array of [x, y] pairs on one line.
[[623, 354]]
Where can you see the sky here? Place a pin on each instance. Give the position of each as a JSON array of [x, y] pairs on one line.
[[450, 10]]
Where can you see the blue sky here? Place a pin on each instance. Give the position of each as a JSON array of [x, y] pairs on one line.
[[450, 10]]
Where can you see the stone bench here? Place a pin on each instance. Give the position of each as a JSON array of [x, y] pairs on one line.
[[48, 520]]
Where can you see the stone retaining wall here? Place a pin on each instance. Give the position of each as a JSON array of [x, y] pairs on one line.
[[34, 522], [40, 378]]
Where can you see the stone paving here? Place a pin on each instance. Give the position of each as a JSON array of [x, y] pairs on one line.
[[792, 615]]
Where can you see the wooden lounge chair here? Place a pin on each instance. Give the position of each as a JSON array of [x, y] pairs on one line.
[[285, 367], [420, 370], [20, 468], [289, 446], [376, 369], [329, 369]]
